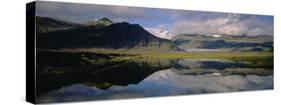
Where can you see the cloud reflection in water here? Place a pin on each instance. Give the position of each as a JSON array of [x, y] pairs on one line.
[[163, 83]]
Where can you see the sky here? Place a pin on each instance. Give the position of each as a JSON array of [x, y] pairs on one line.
[[172, 21]]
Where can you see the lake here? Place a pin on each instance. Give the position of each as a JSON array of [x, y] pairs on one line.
[[66, 77]]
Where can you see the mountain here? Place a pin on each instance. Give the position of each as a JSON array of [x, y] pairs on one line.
[[103, 22], [45, 24], [223, 42], [99, 35]]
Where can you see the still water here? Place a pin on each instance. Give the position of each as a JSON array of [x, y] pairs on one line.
[[154, 78]]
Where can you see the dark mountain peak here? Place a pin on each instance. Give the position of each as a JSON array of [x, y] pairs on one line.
[[105, 20], [122, 23], [114, 36], [127, 29], [126, 25]]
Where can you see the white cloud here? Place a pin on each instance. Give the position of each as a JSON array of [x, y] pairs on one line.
[[231, 24], [160, 32], [180, 21]]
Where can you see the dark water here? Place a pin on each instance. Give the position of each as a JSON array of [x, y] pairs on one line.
[[65, 77]]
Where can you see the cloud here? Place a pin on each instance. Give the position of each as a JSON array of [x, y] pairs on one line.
[[86, 12], [174, 21], [163, 83], [210, 83], [230, 24], [160, 32]]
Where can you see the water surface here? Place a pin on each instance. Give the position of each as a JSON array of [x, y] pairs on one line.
[[78, 79]]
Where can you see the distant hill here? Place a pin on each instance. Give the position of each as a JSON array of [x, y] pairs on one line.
[[227, 38], [44, 25], [224, 42], [102, 33]]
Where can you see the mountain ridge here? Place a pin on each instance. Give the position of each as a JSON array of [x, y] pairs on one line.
[[195, 42], [46, 24], [100, 22], [114, 36]]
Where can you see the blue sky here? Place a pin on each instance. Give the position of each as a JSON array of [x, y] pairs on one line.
[[174, 21]]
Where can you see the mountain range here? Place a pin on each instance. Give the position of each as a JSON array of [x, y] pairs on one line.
[[104, 33], [199, 42]]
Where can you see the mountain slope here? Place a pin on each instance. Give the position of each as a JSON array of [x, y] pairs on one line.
[[241, 43], [115, 36], [45, 24], [103, 22]]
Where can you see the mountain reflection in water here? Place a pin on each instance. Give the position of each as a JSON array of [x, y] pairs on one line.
[[163, 83], [132, 79]]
